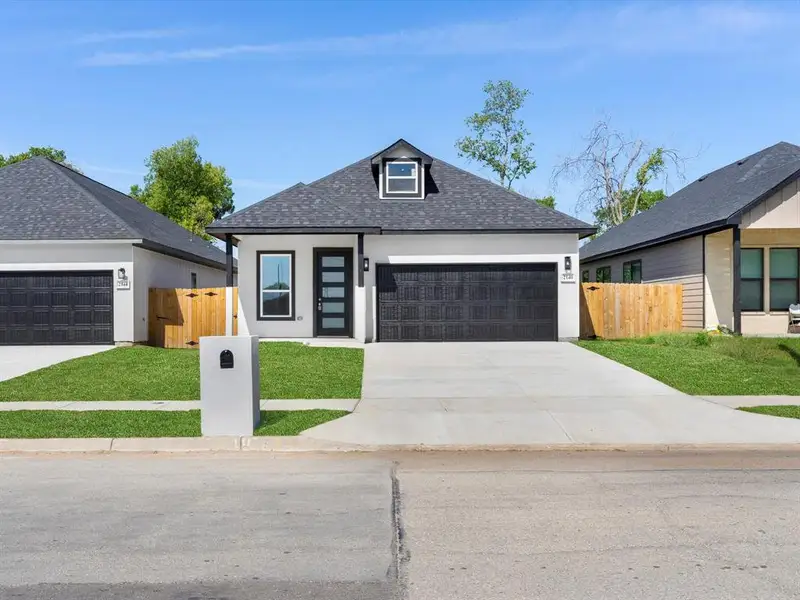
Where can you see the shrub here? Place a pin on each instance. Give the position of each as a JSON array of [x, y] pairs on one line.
[[702, 339]]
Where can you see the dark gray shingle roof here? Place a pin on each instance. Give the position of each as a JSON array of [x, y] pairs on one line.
[[348, 199], [43, 200], [704, 204]]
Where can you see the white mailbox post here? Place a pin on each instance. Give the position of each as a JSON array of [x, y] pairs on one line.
[[229, 385]]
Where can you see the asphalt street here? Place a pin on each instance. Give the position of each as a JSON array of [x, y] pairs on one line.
[[414, 525]]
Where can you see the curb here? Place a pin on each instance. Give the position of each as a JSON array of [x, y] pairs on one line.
[[295, 444]]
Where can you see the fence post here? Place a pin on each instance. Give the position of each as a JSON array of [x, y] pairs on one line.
[[229, 310]]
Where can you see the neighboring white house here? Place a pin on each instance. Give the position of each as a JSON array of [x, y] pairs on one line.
[[405, 247], [77, 258], [732, 238]]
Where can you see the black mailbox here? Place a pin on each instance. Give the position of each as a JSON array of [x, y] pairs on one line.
[[226, 359]]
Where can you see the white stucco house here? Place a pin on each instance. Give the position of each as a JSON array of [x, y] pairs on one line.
[[77, 258], [732, 238], [401, 246]]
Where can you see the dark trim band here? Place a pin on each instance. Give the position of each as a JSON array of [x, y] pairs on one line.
[[175, 253]]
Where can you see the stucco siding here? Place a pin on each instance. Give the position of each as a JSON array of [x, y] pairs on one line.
[[154, 270], [394, 249], [303, 285], [78, 256], [676, 262], [479, 248]]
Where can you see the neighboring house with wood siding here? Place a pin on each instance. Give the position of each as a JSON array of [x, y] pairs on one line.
[[732, 238]]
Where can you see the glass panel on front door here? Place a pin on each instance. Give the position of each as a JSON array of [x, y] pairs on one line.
[[334, 278]]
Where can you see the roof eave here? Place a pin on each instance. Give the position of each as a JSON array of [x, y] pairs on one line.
[[731, 221], [427, 159], [175, 253], [687, 233], [220, 232], [736, 217], [580, 231]]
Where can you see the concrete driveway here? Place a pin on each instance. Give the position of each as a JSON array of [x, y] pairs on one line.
[[506, 394], [18, 360]]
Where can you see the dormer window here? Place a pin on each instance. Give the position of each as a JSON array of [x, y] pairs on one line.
[[401, 172], [402, 177]]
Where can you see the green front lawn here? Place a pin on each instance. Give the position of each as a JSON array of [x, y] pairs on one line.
[[144, 423], [288, 370], [711, 365], [792, 412]]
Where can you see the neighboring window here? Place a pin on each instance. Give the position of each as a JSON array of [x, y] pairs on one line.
[[194, 280], [602, 275], [585, 276], [632, 271], [276, 285], [784, 277], [752, 291], [402, 177]]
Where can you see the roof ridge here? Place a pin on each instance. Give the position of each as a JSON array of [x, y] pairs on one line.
[[259, 202], [747, 176], [744, 159], [56, 167], [353, 164], [508, 191]]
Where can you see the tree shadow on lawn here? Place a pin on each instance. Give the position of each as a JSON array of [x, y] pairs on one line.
[[791, 352]]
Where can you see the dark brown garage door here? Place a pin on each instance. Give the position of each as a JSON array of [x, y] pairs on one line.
[[56, 307], [508, 302]]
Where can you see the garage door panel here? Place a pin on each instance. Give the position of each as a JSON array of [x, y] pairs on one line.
[[64, 307], [481, 302]]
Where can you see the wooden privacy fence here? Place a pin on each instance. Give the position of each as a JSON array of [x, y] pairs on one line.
[[178, 317], [626, 310]]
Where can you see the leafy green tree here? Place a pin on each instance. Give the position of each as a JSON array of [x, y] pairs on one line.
[[647, 199], [53, 154], [182, 186], [498, 137], [548, 201]]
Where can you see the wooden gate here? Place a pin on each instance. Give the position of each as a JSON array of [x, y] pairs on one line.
[[626, 310], [178, 317]]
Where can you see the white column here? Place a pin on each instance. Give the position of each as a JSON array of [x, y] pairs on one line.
[[360, 314]]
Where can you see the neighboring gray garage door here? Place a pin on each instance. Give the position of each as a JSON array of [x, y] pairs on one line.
[[56, 307], [508, 302]]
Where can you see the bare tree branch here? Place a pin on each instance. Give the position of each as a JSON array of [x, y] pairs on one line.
[[606, 167]]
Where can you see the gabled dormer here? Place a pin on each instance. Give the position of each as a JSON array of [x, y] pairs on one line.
[[401, 169]]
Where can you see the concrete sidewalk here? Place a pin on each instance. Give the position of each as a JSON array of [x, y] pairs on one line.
[[300, 445], [175, 405], [740, 401]]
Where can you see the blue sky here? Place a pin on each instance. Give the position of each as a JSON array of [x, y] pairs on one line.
[[287, 92]]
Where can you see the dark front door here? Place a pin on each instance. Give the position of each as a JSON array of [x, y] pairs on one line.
[[56, 307], [489, 302], [333, 277]]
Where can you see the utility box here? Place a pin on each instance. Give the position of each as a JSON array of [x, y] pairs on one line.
[[229, 385]]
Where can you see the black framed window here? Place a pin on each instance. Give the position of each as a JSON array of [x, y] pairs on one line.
[[275, 285], [784, 278], [632, 271], [585, 276], [602, 274], [752, 289], [193, 277]]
